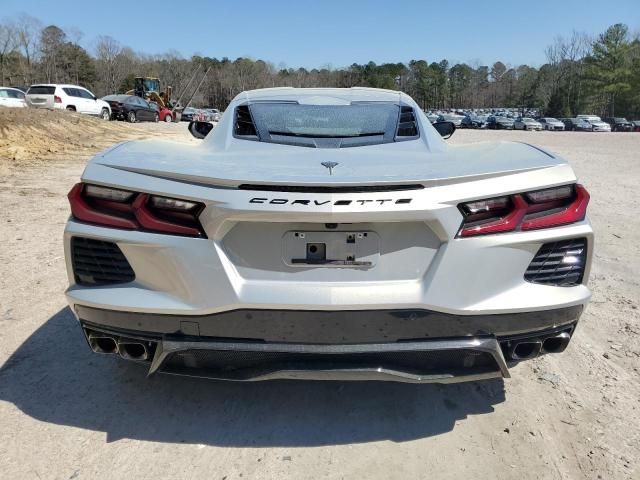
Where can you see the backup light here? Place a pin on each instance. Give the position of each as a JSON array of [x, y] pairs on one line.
[[524, 211], [551, 194], [116, 208], [113, 194], [173, 204]]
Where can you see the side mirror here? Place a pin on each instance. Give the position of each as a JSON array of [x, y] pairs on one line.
[[200, 129], [445, 129]]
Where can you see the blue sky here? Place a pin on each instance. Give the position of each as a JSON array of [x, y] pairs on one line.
[[336, 33]]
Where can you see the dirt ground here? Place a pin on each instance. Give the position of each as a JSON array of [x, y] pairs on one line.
[[66, 413]]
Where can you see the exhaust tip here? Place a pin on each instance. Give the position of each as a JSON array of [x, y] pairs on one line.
[[103, 344], [133, 350], [557, 343], [525, 350]]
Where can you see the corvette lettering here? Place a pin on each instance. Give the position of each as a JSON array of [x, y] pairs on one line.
[[339, 203]]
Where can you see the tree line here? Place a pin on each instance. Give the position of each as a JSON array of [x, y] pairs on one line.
[[598, 75]]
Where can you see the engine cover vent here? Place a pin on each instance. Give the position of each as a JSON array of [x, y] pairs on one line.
[[407, 124]]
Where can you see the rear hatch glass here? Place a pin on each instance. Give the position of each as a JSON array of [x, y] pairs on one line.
[[41, 90]]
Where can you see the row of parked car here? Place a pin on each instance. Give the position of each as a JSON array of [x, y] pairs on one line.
[[111, 107], [584, 123], [78, 99]]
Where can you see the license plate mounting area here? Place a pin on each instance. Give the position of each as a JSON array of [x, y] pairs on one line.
[[349, 249]]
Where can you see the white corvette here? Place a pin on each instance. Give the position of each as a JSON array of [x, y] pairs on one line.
[[328, 234]]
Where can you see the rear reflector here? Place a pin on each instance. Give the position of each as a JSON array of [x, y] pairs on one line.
[[116, 208], [527, 211]]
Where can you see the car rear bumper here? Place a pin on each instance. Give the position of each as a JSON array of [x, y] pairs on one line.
[[329, 326], [432, 361], [398, 346]]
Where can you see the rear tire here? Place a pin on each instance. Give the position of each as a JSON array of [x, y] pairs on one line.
[[168, 118], [156, 117], [70, 109], [131, 117], [105, 115]]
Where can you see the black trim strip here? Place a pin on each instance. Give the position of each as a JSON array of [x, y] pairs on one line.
[[330, 327], [324, 189]]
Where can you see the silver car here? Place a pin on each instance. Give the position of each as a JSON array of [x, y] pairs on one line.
[[526, 123], [549, 123], [327, 234]]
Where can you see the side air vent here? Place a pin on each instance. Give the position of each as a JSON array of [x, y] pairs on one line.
[[99, 263], [559, 263], [314, 189], [244, 126], [407, 124]]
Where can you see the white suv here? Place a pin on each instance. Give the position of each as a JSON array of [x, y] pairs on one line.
[[67, 97]]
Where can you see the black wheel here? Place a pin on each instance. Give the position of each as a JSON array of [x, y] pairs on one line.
[[131, 117], [168, 118], [105, 115], [70, 109], [156, 117]]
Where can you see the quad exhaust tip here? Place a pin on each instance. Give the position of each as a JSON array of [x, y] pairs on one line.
[[528, 348], [133, 349], [525, 350], [127, 348], [556, 344], [103, 343]]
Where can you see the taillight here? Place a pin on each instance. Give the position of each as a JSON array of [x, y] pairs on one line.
[[546, 208], [113, 207], [57, 99]]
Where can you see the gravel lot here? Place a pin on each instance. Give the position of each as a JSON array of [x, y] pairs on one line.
[[66, 413]]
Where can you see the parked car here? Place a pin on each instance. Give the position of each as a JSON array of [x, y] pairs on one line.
[[286, 263], [433, 117], [132, 108], [166, 115], [526, 123], [67, 97], [599, 126], [187, 114], [619, 124], [215, 114], [453, 118], [577, 125], [12, 97], [549, 123], [474, 121], [499, 123]]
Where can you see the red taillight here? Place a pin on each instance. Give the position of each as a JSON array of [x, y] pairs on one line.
[[117, 208], [57, 99], [528, 211]]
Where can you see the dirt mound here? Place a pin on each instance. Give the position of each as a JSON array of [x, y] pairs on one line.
[[32, 135]]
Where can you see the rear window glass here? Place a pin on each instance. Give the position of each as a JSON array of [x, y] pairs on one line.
[[325, 121], [116, 98], [41, 90]]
